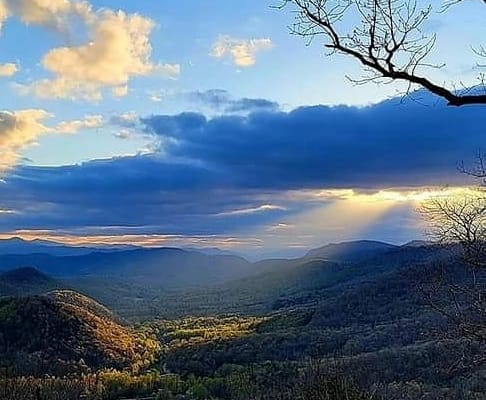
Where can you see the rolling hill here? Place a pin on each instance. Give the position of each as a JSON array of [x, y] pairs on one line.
[[173, 282], [358, 307], [275, 285], [64, 332], [179, 268], [17, 245], [350, 251], [168, 267], [26, 281]]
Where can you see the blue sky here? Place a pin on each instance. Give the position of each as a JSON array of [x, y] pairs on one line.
[[207, 124]]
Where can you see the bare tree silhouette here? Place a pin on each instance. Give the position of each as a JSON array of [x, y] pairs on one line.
[[458, 291], [387, 37]]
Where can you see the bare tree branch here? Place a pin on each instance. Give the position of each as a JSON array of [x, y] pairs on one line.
[[459, 292], [389, 39]]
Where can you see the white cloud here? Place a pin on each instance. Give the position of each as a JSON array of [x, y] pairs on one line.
[[18, 130], [8, 69], [129, 119], [126, 125], [89, 122], [118, 49], [160, 95], [120, 91], [252, 210], [156, 98], [21, 129], [4, 13], [55, 14], [124, 134], [243, 52], [279, 227], [167, 70]]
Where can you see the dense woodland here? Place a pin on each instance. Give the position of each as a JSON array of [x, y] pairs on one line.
[[346, 323]]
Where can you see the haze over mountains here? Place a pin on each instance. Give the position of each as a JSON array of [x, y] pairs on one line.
[[167, 267], [194, 313], [17, 245], [177, 282]]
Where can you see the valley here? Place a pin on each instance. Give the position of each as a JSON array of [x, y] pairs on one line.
[[184, 324]]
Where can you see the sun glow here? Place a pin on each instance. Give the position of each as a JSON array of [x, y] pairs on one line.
[[345, 214], [421, 196], [142, 240], [390, 195], [326, 215]]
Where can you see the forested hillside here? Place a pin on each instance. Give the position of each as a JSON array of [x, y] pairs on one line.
[[64, 332], [359, 313]]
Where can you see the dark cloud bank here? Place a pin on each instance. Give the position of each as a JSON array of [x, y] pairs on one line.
[[211, 166]]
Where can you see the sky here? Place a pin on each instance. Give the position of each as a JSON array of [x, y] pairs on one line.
[[207, 124]]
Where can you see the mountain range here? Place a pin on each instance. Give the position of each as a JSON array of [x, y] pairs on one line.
[[174, 282], [196, 314], [173, 268]]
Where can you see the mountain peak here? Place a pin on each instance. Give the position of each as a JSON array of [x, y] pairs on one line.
[[417, 243], [25, 275], [350, 251]]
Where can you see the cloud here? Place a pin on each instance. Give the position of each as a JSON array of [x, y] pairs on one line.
[[138, 190], [221, 100], [246, 104], [240, 173], [4, 13], [160, 95], [387, 144], [127, 125], [18, 130], [120, 91], [21, 129], [215, 98], [55, 14], [128, 119], [146, 240], [279, 226], [8, 69], [123, 134], [89, 122], [156, 98], [118, 49], [259, 209], [242, 52]]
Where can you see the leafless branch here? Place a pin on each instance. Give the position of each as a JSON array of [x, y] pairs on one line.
[[386, 37], [459, 292]]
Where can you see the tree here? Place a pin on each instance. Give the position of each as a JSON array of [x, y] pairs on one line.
[[459, 291], [386, 36]]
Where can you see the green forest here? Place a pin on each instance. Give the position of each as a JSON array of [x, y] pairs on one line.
[[346, 327]]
